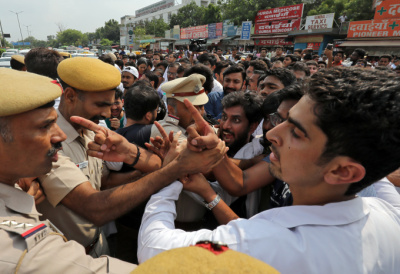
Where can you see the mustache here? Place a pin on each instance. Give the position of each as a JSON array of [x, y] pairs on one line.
[[97, 118], [228, 131], [272, 148], [56, 147]]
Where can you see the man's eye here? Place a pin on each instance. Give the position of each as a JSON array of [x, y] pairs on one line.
[[292, 131]]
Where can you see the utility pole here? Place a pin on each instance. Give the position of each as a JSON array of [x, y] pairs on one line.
[[20, 31], [27, 30], [2, 35]]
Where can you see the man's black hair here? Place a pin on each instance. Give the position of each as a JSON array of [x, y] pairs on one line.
[[292, 57], [250, 101], [235, 69], [207, 58], [307, 57], [162, 64], [358, 111], [360, 52], [284, 75], [120, 64], [43, 61], [389, 57], [152, 77], [266, 61], [220, 65], [259, 65], [206, 72], [139, 99], [299, 66]]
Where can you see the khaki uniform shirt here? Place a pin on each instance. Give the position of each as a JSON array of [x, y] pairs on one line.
[[187, 209], [73, 168], [46, 252]]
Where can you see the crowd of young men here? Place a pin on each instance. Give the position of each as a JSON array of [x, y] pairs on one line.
[[282, 158]]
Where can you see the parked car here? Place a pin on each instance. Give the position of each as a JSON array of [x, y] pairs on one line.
[[8, 54], [5, 62]]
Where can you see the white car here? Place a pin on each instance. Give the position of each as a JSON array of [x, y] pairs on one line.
[[5, 62]]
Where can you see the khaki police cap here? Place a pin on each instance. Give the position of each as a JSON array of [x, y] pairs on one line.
[[190, 87], [88, 74], [22, 91], [196, 259], [65, 54], [19, 58]]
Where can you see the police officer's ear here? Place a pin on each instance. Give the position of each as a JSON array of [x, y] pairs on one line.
[[171, 110], [70, 95]]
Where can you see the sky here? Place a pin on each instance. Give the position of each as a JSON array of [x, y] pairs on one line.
[[43, 16]]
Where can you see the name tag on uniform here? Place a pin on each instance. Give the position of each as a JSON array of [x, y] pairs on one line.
[[82, 165]]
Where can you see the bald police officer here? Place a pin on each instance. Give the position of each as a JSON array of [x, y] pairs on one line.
[[29, 141]]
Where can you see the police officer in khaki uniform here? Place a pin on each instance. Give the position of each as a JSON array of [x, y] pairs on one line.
[[74, 201], [189, 211], [29, 141]]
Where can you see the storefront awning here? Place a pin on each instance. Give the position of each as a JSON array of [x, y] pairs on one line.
[[370, 43], [268, 36], [147, 41]]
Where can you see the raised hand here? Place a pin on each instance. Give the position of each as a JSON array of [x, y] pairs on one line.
[[107, 145], [161, 145], [200, 135], [32, 187]]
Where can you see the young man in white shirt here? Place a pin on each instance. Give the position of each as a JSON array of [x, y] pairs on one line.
[[341, 137]]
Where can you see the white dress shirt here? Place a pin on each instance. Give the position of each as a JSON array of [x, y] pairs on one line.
[[361, 235]]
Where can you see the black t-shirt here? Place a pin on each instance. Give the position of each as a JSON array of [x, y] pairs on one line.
[[280, 194], [137, 134]]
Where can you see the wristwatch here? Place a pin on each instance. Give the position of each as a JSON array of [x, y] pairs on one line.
[[213, 203]]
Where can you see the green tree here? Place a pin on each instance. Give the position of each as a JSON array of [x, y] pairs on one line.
[[71, 37], [187, 16], [106, 42], [356, 10], [109, 31], [156, 27], [239, 10], [140, 34], [212, 14]]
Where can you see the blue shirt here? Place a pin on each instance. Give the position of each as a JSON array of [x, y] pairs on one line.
[[214, 105]]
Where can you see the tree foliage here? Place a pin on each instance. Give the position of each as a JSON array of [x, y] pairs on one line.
[[238, 11], [72, 37], [156, 27], [109, 31], [356, 10], [193, 15]]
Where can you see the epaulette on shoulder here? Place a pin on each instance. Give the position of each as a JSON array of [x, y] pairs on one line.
[[33, 233]]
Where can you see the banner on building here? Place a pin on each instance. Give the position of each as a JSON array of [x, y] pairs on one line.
[[225, 27], [219, 29], [272, 42], [320, 21], [246, 29], [277, 26], [374, 28], [282, 13], [314, 46], [387, 9], [195, 32], [212, 31], [176, 32]]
